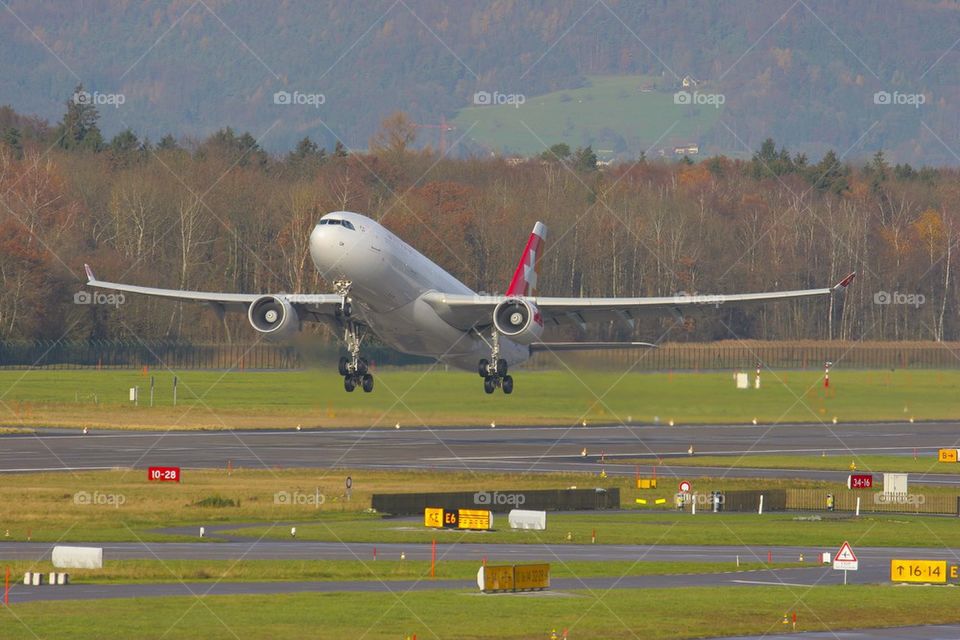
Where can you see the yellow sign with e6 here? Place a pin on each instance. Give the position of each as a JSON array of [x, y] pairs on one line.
[[437, 518]]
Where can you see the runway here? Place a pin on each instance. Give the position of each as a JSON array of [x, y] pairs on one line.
[[517, 449]]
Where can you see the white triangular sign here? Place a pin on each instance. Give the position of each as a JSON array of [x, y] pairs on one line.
[[846, 553]]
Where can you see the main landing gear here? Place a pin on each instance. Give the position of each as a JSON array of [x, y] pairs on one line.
[[355, 370], [494, 371]]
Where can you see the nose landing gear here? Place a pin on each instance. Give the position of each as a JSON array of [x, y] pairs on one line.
[[355, 370], [494, 371]]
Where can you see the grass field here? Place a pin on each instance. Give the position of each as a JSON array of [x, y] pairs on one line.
[[923, 463], [153, 571], [123, 506], [613, 615], [217, 400], [773, 529], [607, 104]]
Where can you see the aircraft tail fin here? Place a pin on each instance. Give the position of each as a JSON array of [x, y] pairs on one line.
[[524, 282]]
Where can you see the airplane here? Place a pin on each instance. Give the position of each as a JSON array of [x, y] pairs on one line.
[[385, 287]]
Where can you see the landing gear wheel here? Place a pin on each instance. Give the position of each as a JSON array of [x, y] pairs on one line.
[[367, 383], [507, 384], [489, 384], [501, 367], [482, 367], [349, 384], [342, 367]]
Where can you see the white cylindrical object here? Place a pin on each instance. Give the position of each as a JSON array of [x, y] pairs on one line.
[[693, 507], [760, 511], [52, 578], [202, 531], [28, 578], [37, 579], [858, 506]]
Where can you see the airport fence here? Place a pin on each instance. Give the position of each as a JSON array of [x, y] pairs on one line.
[[873, 502], [712, 356], [401, 504]]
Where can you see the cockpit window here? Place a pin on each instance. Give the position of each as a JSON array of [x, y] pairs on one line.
[[344, 223]]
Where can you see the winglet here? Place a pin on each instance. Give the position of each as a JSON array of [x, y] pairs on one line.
[[90, 276], [843, 284]]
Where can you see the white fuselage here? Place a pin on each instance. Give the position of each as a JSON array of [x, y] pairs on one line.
[[388, 278]]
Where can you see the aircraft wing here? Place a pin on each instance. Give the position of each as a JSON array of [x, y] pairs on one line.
[[313, 306], [466, 311]]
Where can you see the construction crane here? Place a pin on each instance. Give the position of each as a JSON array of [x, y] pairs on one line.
[[444, 127]]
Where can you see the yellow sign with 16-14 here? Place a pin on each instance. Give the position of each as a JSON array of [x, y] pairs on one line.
[[935, 571]]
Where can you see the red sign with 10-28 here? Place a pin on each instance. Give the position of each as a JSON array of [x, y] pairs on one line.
[[163, 474]]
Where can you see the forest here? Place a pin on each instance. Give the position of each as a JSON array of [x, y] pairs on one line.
[[221, 213], [804, 73]]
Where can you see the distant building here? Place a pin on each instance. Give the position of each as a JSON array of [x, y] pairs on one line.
[[687, 150], [689, 82]]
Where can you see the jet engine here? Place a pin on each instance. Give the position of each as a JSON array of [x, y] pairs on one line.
[[274, 317], [519, 320]]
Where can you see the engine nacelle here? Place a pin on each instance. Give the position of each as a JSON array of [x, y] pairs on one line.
[[519, 320], [274, 317]]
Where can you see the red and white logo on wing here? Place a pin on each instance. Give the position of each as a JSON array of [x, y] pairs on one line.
[[524, 282]]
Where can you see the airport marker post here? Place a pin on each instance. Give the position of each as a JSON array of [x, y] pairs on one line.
[[433, 557], [6, 589]]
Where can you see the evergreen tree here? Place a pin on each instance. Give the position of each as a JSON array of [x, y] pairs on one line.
[[558, 152], [584, 159], [12, 138], [339, 151], [167, 143], [78, 130], [830, 174]]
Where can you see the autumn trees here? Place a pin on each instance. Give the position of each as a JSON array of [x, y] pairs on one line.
[[223, 214]]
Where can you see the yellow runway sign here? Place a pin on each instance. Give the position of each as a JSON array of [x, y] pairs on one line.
[[947, 455], [934, 571]]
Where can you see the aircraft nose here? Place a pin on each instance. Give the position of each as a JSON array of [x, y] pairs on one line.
[[324, 248]]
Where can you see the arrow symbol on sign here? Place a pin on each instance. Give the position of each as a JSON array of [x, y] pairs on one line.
[[899, 571]]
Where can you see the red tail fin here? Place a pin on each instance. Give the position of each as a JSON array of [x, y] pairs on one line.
[[524, 282]]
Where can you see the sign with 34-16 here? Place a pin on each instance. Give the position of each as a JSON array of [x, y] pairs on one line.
[[860, 481]]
